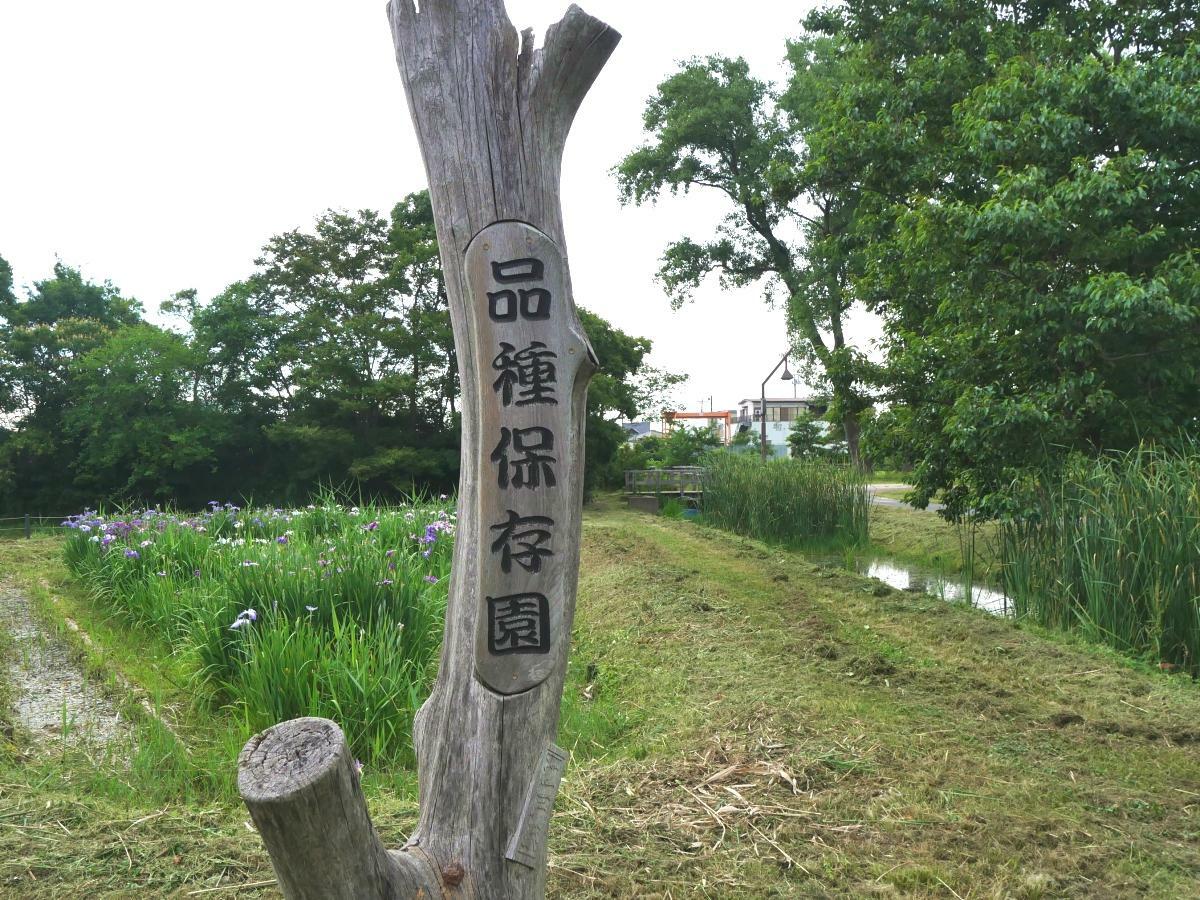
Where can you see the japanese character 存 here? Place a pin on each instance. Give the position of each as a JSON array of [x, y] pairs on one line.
[[521, 540]]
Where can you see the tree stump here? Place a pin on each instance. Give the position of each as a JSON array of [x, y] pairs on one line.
[[492, 115]]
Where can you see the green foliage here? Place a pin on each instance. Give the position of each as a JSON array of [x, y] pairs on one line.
[[60, 320], [624, 388], [714, 126], [332, 363], [682, 446], [788, 501], [1027, 175], [750, 441], [805, 436], [324, 611], [142, 378], [1109, 549]]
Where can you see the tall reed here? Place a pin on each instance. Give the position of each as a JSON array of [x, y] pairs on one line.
[[789, 501], [328, 611], [1111, 549]]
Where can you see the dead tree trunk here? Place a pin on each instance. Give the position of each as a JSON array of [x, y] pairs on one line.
[[492, 115]]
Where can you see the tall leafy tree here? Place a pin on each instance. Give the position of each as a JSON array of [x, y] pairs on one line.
[[339, 347], [138, 428], [58, 321], [713, 126], [1030, 169]]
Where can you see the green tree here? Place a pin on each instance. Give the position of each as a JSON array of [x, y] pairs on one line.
[[713, 126], [751, 440], [805, 435], [1030, 170], [339, 347], [138, 430], [58, 321], [339, 350]]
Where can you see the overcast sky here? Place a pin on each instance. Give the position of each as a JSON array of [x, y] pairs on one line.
[[159, 144]]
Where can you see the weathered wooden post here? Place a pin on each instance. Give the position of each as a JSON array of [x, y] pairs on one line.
[[492, 115]]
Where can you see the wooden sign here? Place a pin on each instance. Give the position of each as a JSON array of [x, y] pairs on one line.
[[519, 315], [492, 115]]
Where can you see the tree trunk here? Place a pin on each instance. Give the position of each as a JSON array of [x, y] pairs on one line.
[[492, 116], [853, 429]]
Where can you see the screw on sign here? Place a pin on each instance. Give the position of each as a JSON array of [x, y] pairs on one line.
[[488, 766]]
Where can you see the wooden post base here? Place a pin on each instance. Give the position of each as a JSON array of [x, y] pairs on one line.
[[301, 786]]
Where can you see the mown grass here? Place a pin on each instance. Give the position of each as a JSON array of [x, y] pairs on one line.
[[1112, 550], [749, 725], [786, 501]]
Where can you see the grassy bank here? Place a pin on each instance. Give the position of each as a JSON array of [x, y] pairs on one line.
[[744, 724]]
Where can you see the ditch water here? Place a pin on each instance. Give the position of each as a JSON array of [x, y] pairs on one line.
[[914, 579]]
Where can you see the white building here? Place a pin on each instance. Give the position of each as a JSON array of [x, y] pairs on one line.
[[780, 415]]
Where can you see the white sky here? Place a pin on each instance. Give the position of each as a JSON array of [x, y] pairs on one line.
[[159, 145]]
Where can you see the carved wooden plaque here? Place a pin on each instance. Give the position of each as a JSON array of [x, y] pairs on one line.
[[530, 357]]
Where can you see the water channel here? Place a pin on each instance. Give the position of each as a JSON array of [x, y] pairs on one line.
[[950, 588]]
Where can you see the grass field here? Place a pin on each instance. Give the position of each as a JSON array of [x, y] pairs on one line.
[[754, 726]]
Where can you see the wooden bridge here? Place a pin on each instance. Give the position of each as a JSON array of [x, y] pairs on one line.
[[647, 487]]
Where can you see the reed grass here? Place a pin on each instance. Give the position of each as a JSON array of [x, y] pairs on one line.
[[788, 501], [1111, 549], [329, 611]]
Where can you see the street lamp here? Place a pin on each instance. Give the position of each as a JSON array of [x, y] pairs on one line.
[[786, 376]]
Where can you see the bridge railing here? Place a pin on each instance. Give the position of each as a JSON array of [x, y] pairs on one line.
[[682, 481]]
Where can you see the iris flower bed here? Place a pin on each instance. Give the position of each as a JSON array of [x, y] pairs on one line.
[[328, 610]]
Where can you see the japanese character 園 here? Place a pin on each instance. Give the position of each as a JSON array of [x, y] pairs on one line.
[[518, 623]]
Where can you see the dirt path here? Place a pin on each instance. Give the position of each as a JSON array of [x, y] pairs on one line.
[[877, 490], [52, 698]]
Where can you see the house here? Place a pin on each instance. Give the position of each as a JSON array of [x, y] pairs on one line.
[[781, 412], [635, 431], [720, 419]]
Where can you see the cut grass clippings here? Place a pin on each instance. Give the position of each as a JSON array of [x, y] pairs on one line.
[[746, 724]]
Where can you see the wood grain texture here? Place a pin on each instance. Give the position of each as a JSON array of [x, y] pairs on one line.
[[492, 115], [301, 786], [555, 345]]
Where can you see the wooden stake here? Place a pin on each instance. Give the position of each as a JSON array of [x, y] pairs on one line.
[[492, 115]]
